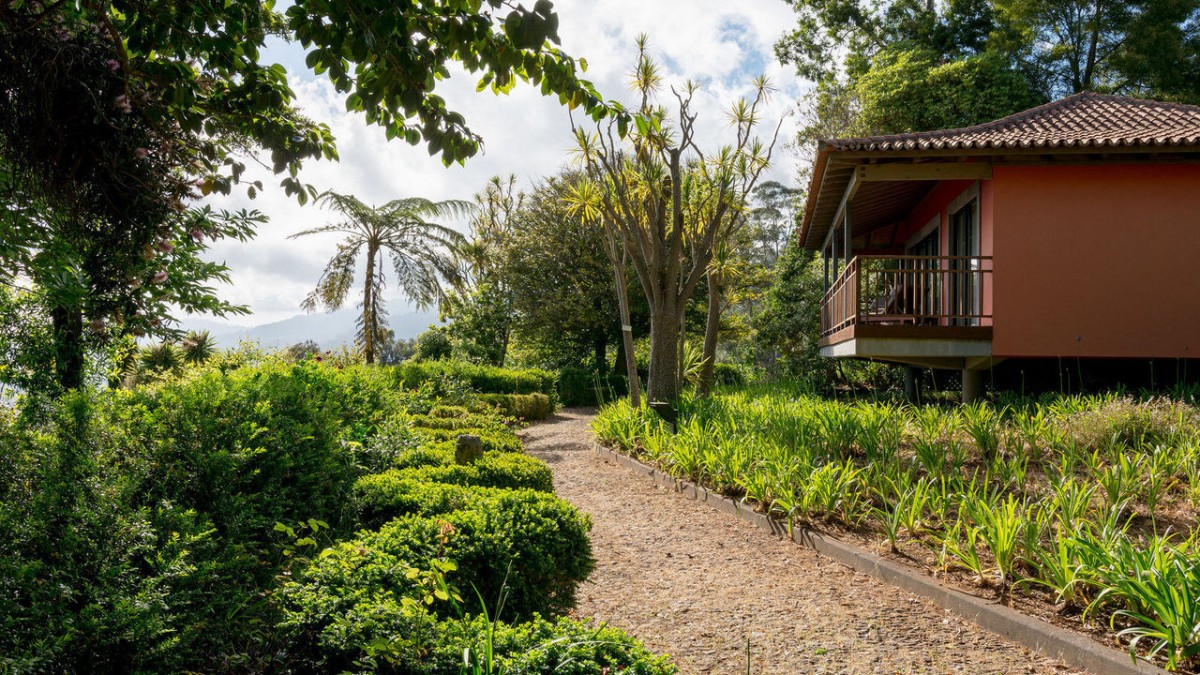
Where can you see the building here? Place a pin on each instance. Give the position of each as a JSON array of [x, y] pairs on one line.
[[1071, 230]]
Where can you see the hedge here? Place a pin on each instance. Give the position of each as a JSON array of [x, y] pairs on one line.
[[384, 500], [532, 547], [505, 442], [522, 406], [497, 470], [483, 379], [582, 387], [396, 637]]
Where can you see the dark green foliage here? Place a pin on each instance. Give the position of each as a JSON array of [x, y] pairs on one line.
[[533, 545], [139, 525], [480, 321], [385, 496], [157, 530], [483, 379], [400, 638], [521, 406], [728, 374], [492, 442], [541, 647], [433, 345], [569, 317], [790, 323], [582, 387], [910, 90], [374, 493]]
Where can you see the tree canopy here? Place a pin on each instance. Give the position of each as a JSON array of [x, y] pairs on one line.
[[1140, 47], [117, 114], [896, 66]]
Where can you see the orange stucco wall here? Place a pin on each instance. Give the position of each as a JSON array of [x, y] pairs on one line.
[[1096, 261]]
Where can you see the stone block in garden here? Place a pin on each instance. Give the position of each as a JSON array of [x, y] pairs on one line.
[[468, 449]]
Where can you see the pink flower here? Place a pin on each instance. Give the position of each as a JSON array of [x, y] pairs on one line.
[[122, 103], [165, 246], [159, 277], [197, 234], [114, 64], [141, 153]]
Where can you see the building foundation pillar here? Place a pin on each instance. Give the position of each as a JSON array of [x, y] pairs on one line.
[[972, 385]]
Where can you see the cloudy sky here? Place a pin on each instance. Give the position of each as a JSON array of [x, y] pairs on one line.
[[719, 44]]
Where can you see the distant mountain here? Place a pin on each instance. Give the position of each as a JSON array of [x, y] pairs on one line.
[[327, 330]]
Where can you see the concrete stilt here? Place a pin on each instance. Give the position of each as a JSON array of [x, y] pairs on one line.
[[910, 384], [972, 385]]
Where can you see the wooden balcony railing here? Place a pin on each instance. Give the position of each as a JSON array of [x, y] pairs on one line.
[[909, 290]]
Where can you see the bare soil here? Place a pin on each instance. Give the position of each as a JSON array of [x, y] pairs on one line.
[[701, 585]]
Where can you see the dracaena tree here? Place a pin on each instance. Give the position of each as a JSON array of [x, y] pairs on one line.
[[670, 202], [421, 252]]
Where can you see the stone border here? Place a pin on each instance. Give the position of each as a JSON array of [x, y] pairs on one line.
[[1074, 649]]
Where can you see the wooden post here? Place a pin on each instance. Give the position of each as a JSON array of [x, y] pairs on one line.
[[846, 234]]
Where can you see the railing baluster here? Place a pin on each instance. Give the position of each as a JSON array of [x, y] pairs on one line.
[[908, 290]]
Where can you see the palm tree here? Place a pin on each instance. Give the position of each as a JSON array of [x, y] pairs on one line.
[[422, 254]]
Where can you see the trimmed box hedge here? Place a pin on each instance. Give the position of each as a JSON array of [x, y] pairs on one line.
[[522, 406]]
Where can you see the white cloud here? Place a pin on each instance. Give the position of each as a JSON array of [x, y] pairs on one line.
[[718, 44]]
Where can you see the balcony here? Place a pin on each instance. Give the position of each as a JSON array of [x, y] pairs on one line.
[[921, 310]]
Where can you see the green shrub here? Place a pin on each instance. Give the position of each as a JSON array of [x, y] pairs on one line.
[[522, 406], [506, 441], [483, 379], [487, 420], [542, 647], [428, 454], [390, 636], [433, 345], [139, 525], [728, 374], [383, 500], [509, 470], [449, 411], [583, 387], [395, 441], [535, 546]]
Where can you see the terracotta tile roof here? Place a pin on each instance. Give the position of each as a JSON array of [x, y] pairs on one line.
[[1084, 120], [1084, 123]]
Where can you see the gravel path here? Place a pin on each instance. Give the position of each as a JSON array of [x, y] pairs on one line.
[[697, 584]]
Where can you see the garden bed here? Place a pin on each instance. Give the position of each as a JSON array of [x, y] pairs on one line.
[[1066, 509]]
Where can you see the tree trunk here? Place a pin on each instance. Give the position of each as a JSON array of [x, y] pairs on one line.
[[710, 333], [627, 330], [664, 351], [370, 319], [68, 346]]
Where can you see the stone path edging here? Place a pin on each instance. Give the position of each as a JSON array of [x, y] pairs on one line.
[[1074, 649]]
